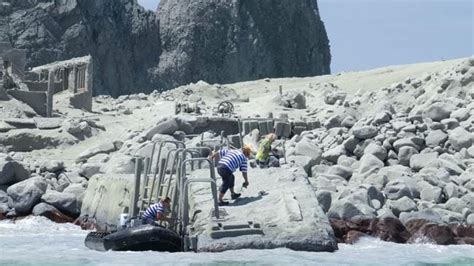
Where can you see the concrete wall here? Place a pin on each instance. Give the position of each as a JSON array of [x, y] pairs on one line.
[[230, 126], [82, 100], [36, 100], [107, 196], [43, 86]]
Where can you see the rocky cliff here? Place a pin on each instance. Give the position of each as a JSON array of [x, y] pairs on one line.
[[230, 41], [137, 51]]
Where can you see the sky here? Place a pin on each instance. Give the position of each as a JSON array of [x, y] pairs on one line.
[[366, 34]]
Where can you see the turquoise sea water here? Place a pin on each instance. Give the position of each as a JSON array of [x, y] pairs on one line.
[[37, 241]]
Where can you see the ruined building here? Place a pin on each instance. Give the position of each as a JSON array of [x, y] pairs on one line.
[[37, 86]]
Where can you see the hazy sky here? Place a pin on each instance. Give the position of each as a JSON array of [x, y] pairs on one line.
[[365, 34]]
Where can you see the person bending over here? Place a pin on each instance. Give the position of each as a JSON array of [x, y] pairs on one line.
[[229, 162], [157, 212]]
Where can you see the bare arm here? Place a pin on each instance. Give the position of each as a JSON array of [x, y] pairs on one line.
[[161, 217]]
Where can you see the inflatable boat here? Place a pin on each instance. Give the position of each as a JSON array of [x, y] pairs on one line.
[[140, 238]]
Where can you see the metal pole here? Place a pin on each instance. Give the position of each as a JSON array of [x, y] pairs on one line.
[[136, 190]]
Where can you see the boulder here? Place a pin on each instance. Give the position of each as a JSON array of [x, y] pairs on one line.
[[26, 194], [419, 161], [404, 143], [11, 171], [306, 148], [437, 233], [52, 166], [382, 117], [405, 153], [167, 127], [333, 122], [426, 214], [331, 97], [64, 202], [460, 138], [396, 190], [348, 122], [369, 162], [435, 138], [324, 198], [50, 212], [294, 100], [450, 123], [438, 111], [460, 114], [404, 204], [391, 229], [346, 161], [344, 210], [90, 169], [376, 150], [351, 143], [431, 193], [365, 132], [455, 205], [333, 154], [339, 170]]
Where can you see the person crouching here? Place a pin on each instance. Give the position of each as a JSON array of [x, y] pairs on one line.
[[157, 212]]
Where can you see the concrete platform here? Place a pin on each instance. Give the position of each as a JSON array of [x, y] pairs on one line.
[[278, 209]]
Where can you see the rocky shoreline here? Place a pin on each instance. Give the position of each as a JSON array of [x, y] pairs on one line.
[[394, 162]]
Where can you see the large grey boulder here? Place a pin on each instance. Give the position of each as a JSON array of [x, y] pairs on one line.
[[455, 205], [306, 148], [64, 202], [460, 138], [369, 162], [333, 154], [425, 214], [431, 193], [11, 171], [404, 204], [339, 170], [364, 132], [325, 199], [396, 189], [26, 194], [345, 210], [419, 161], [435, 138], [376, 150], [255, 39], [438, 111], [460, 114], [167, 127], [405, 153]]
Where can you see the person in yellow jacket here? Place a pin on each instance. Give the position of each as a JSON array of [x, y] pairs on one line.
[[264, 157]]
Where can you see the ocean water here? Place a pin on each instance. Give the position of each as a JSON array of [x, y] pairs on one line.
[[37, 241]]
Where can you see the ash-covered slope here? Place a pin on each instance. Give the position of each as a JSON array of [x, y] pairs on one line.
[[230, 41]]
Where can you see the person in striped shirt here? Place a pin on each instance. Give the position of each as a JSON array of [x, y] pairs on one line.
[[157, 212], [229, 162]]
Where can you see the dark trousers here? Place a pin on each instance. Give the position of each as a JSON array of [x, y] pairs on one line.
[[227, 176]]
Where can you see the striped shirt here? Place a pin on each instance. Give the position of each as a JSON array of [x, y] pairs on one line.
[[233, 159], [153, 210]]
